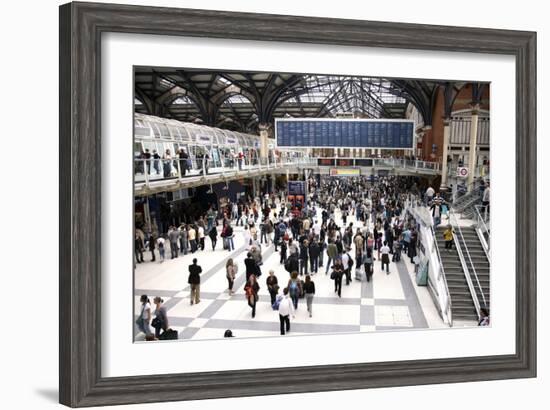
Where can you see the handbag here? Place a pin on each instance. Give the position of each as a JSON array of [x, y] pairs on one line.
[[156, 322]]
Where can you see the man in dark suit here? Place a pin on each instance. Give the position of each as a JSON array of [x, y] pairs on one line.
[[251, 266], [194, 281]]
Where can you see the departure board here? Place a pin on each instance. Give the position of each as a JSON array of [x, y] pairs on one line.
[[344, 133]]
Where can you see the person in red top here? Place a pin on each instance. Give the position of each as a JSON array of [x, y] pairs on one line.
[[251, 289]]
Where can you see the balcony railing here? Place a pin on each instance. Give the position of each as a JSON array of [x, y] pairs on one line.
[[147, 171], [402, 163]]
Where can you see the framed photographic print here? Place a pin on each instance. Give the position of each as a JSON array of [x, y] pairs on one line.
[[264, 204]]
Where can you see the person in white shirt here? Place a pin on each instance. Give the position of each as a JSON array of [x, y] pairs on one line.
[[316, 228], [286, 308], [485, 200], [144, 319], [160, 245], [201, 237], [346, 262], [192, 235], [429, 194], [385, 251], [247, 237]]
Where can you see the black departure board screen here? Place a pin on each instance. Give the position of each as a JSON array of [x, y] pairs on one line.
[[344, 133]]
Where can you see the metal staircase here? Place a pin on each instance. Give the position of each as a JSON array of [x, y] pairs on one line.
[[477, 262], [463, 303]]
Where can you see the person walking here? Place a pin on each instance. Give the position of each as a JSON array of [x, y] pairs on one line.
[[336, 275], [184, 241], [250, 265], [282, 252], [160, 243], [314, 251], [231, 270], [160, 322], [272, 286], [347, 262], [230, 235], [385, 251], [251, 288], [151, 244], [448, 237], [286, 308], [201, 236], [309, 291], [138, 247], [486, 199], [294, 288], [304, 257], [173, 236], [332, 253], [192, 235], [194, 281], [367, 263], [144, 317], [183, 157], [213, 234]]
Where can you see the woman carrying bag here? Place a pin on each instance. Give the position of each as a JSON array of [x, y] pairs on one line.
[[231, 270], [251, 289]]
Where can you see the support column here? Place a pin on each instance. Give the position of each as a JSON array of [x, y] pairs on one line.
[[147, 215], [263, 140], [472, 155], [273, 178], [254, 187], [446, 136]]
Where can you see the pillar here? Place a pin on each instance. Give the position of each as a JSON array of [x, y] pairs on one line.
[[446, 135], [472, 155], [254, 187], [147, 215], [263, 140]]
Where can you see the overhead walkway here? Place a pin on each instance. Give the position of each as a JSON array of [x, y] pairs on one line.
[[161, 175], [207, 172], [397, 166]]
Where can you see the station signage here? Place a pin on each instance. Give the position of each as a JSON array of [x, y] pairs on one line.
[[296, 188], [345, 172], [344, 133], [462, 172]]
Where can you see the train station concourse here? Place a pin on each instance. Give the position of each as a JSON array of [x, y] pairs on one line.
[[276, 204]]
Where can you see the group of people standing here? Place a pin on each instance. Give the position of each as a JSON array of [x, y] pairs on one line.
[[320, 238]]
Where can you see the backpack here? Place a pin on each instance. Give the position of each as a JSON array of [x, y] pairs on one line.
[[293, 289], [287, 265], [350, 261], [277, 303]]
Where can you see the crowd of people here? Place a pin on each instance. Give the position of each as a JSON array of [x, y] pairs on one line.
[[344, 227]]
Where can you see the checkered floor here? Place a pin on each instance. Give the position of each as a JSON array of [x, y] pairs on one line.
[[388, 302]]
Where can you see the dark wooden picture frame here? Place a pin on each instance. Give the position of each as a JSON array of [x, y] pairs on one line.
[[81, 27]]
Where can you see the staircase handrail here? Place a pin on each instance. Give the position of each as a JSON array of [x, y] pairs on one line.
[[481, 229], [452, 215]]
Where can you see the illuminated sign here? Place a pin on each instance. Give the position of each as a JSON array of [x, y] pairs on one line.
[[345, 172]]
